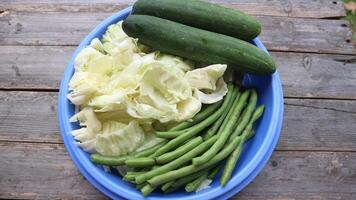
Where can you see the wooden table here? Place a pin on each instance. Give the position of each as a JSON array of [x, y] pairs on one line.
[[316, 154]]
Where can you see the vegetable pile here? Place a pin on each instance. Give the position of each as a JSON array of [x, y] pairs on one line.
[[127, 91], [195, 150], [152, 98]]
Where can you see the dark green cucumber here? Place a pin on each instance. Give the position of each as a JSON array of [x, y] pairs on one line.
[[203, 15], [198, 45]]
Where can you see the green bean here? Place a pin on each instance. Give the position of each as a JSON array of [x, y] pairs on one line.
[[140, 186], [187, 135], [247, 115], [251, 134], [147, 189], [156, 166], [194, 185], [108, 160], [166, 186], [169, 190], [129, 178], [215, 170], [226, 120], [194, 130], [240, 118], [120, 160], [232, 160], [135, 173], [150, 150], [203, 124], [140, 162], [171, 134], [159, 179], [212, 131], [225, 131], [198, 117], [176, 184], [178, 162], [255, 116], [167, 157]]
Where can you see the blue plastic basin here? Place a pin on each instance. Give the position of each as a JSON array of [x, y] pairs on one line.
[[255, 154]]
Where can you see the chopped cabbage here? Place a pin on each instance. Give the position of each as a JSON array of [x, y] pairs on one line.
[[127, 91], [204, 185], [206, 78], [212, 97], [108, 138], [119, 139], [207, 83]]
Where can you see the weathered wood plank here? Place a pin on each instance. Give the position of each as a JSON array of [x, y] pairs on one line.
[[295, 8], [318, 125], [305, 175], [29, 116], [279, 33], [41, 171], [317, 75], [307, 35], [303, 75], [32, 67], [308, 124], [33, 171]]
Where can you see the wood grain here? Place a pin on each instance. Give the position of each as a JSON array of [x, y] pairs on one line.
[[308, 124], [304, 175], [29, 116], [32, 67], [295, 8], [317, 75], [279, 33], [318, 125], [307, 35], [302, 74], [43, 171]]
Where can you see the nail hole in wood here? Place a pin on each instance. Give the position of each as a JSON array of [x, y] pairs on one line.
[[334, 2], [348, 41], [274, 163], [343, 25]]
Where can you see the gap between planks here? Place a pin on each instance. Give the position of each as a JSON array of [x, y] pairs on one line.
[[57, 90], [269, 50], [276, 149], [295, 8]]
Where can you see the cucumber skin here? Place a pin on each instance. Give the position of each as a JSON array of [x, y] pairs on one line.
[[203, 15], [198, 45]]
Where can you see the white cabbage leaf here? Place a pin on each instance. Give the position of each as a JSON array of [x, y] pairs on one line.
[[208, 84], [88, 119], [119, 139], [107, 138], [97, 45], [85, 85], [206, 78], [213, 96], [204, 185]]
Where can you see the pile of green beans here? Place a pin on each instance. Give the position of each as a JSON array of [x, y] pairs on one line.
[[196, 150]]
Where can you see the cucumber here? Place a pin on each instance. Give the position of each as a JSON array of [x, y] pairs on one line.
[[198, 45], [202, 15]]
